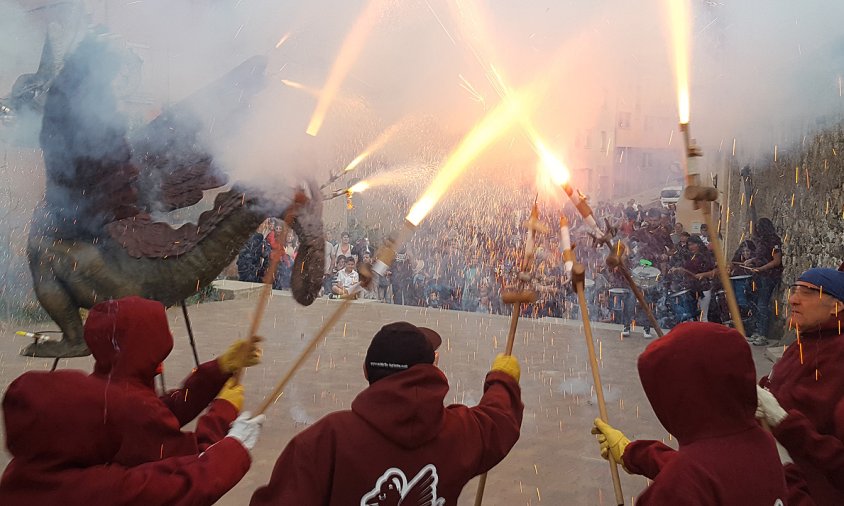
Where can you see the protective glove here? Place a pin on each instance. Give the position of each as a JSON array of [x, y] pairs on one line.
[[241, 353], [767, 407], [612, 441], [508, 364], [232, 391], [247, 429]]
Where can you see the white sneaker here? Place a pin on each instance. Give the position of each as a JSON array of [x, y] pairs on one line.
[[647, 334], [760, 341], [625, 332]]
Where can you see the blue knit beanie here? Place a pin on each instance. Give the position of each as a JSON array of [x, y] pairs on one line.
[[830, 280]]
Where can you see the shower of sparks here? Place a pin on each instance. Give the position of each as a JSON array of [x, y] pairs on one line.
[[349, 52], [680, 20], [282, 40], [490, 128], [377, 144], [466, 85]]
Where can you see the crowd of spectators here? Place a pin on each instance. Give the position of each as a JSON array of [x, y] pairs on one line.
[[464, 257]]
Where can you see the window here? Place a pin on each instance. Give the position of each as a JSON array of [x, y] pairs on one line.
[[624, 120]]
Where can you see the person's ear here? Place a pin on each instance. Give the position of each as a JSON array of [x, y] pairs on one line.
[[365, 374], [436, 358]]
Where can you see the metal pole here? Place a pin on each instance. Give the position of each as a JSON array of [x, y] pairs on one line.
[[190, 333]]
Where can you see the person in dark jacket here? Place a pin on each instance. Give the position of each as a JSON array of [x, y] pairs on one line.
[[705, 395], [767, 269], [808, 383], [129, 339], [253, 259], [399, 444], [60, 434]]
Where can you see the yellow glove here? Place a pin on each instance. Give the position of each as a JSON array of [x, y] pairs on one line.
[[507, 364], [232, 392], [611, 440], [240, 354]]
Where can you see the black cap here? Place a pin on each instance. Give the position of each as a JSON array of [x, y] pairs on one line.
[[397, 347]]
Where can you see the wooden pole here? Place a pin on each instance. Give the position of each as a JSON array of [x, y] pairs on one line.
[[517, 299], [311, 346], [723, 273], [614, 260], [578, 276], [263, 301]]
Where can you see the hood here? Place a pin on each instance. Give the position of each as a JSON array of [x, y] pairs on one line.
[[406, 407], [129, 338], [701, 381], [57, 420]]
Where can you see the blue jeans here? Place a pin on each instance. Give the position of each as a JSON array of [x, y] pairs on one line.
[[765, 287]]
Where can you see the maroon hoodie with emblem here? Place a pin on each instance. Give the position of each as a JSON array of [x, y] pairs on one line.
[[701, 382], [398, 444], [129, 338], [808, 382], [62, 442]]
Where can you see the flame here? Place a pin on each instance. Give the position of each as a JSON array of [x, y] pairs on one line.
[[299, 86], [360, 187], [550, 164], [377, 144], [282, 40], [473, 24], [352, 46], [493, 125], [680, 25]]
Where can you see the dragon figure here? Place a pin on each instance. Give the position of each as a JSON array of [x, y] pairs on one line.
[[94, 236]]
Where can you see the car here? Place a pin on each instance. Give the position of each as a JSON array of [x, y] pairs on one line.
[[670, 195]]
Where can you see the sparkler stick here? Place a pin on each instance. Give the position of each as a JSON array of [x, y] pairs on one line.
[[614, 260], [703, 197], [312, 344], [261, 306], [578, 278], [517, 298], [299, 199], [565, 237]]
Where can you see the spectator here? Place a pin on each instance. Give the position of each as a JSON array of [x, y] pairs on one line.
[[768, 274], [253, 259], [346, 278]]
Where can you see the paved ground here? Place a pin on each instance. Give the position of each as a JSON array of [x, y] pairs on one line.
[[556, 460]]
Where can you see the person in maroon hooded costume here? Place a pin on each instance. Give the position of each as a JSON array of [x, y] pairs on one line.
[[399, 444], [129, 339], [806, 410], [701, 382], [62, 441]]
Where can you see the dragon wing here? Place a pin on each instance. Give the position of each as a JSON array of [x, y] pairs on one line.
[[172, 148], [90, 180], [96, 178]]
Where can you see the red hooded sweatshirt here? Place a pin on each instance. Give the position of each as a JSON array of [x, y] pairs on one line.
[[398, 445], [808, 382], [701, 382], [129, 338], [59, 433]]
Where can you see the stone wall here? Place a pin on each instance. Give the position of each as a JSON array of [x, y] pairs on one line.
[[802, 192]]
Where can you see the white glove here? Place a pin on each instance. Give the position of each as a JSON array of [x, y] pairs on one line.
[[767, 407], [785, 457], [246, 429]]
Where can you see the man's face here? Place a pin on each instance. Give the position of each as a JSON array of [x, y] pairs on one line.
[[345, 238], [367, 258], [350, 265], [812, 309], [678, 228]]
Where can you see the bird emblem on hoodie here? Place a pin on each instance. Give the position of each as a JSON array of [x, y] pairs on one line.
[[393, 489]]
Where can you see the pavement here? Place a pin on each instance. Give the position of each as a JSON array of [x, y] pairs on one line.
[[556, 461]]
